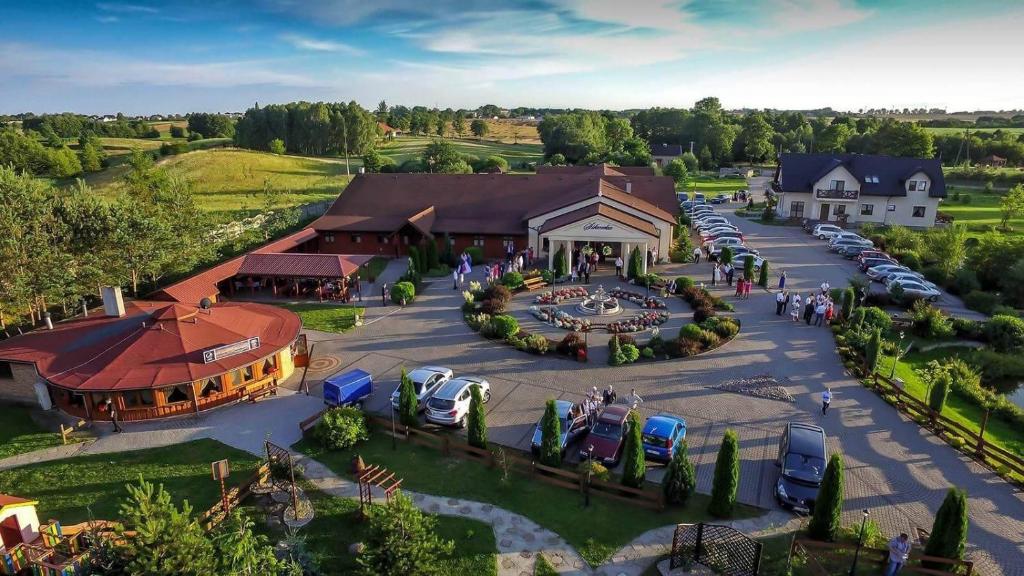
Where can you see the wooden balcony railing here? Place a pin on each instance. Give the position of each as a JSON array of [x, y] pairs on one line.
[[837, 194]]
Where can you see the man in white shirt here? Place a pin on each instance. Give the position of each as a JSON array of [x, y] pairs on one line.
[[899, 551], [826, 399], [780, 302], [618, 266], [824, 287], [696, 255], [633, 399]]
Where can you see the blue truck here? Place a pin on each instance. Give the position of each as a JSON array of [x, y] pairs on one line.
[[348, 388]]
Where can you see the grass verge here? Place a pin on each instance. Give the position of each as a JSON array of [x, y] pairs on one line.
[[980, 213], [326, 317], [596, 532], [74, 489], [20, 434]]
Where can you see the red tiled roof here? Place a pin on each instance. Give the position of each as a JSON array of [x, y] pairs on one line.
[[296, 265], [489, 203], [609, 212], [7, 500], [154, 344], [204, 284]]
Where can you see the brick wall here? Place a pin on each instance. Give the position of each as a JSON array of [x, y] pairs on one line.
[[19, 389]]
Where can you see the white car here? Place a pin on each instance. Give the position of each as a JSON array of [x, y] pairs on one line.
[[740, 260], [879, 273], [699, 222], [450, 404], [848, 236], [910, 277], [425, 381], [826, 231], [916, 290], [703, 228]]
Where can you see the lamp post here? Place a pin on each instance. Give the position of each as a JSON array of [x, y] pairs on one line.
[[394, 440], [896, 357], [590, 467], [860, 542]]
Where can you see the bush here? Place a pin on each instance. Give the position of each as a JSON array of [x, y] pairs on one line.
[[709, 339], [537, 344], [570, 343], [498, 292], [597, 470], [970, 329], [505, 326], [341, 428], [477, 424], [984, 302], [400, 539], [635, 266], [691, 331], [647, 352], [403, 291], [477, 321], [682, 283], [687, 347], [512, 280], [560, 264], [911, 260], [727, 477], [703, 313], [936, 274], [550, 436], [408, 404], [948, 537], [939, 392], [615, 355], [727, 328], [828, 508], [1005, 333], [634, 466], [930, 322], [873, 350], [877, 318], [680, 479], [762, 280], [630, 352], [492, 307], [476, 255], [625, 339]]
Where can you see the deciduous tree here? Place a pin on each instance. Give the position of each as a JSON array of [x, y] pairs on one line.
[[1011, 206]]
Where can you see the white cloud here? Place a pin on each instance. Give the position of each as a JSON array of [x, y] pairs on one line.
[[107, 19], [790, 16], [315, 45], [126, 8]]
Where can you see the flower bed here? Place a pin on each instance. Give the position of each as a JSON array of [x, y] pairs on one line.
[[639, 299], [559, 318], [557, 296], [638, 323]]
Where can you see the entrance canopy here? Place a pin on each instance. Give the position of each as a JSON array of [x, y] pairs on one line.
[[600, 221], [295, 265]]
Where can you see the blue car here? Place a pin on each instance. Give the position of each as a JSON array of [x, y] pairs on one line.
[[662, 434], [348, 388], [571, 429]]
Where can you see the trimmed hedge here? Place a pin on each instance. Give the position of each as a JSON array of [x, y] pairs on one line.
[[403, 290]]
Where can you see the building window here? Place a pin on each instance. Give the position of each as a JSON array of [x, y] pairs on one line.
[[840, 209], [508, 242], [839, 185], [912, 185], [405, 239], [177, 394], [382, 239], [867, 209], [241, 376], [922, 185], [329, 238], [796, 209], [919, 211], [6, 372], [135, 398], [478, 241], [357, 238], [211, 387], [269, 365], [76, 399]]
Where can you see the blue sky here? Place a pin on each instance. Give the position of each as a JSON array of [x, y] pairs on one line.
[[143, 56]]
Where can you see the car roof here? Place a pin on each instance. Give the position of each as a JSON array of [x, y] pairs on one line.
[[614, 413], [662, 424], [806, 439], [451, 389], [421, 374]]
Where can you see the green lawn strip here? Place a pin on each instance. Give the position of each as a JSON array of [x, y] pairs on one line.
[[714, 186], [596, 532], [20, 434], [411, 147], [981, 211], [373, 269], [335, 526], [959, 409], [775, 553], [326, 317], [68, 489]]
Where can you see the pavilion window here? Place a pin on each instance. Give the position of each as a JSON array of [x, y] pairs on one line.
[[177, 394], [270, 365], [134, 398], [76, 399], [210, 387], [6, 372]]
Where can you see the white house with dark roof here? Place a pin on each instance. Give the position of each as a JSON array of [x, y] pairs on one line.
[[662, 154], [859, 188]]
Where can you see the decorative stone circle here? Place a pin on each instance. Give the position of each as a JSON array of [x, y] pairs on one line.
[[324, 364], [654, 310], [760, 386]]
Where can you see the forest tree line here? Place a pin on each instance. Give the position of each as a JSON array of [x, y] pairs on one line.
[[314, 129]]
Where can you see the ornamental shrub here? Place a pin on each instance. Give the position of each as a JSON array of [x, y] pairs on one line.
[[873, 350], [560, 264], [400, 539], [626, 339], [828, 508], [709, 339], [965, 281], [939, 392], [682, 283], [630, 352], [505, 326], [615, 355], [849, 301], [877, 318], [930, 322], [570, 343], [727, 328], [403, 290], [727, 477], [980, 301], [550, 436], [597, 470], [537, 344], [341, 428], [691, 331], [432, 257], [703, 313], [1005, 333], [477, 419], [762, 281], [476, 255], [477, 321], [408, 404], [635, 267], [748, 267], [686, 347], [512, 280], [498, 292], [725, 256], [948, 537], [680, 479], [634, 466], [647, 352]]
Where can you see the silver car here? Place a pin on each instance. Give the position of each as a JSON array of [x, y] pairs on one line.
[[826, 231], [450, 404], [425, 381], [914, 289], [910, 277], [878, 273]]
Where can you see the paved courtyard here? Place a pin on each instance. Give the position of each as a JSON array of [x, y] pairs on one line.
[[894, 469]]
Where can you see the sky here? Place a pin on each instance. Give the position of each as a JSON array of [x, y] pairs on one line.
[[179, 56]]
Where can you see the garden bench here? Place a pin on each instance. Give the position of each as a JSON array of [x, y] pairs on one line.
[[535, 283]]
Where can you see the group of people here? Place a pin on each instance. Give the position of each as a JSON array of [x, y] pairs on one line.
[[818, 309], [586, 264], [464, 266], [594, 401]]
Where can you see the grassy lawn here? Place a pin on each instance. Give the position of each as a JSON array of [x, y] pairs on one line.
[[20, 434], [957, 408], [326, 317], [596, 532], [70, 489], [958, 131], [374, 268], [713, 186], [410, 147], [982, 210], [231, 181], [336, 525]]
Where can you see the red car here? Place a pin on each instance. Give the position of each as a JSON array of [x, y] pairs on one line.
[[873, 254], [607, 436]]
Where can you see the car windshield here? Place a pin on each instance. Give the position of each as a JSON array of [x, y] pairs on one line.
[[440, 404], [803, 467], [607, 430], [418, 386], [653, 439]]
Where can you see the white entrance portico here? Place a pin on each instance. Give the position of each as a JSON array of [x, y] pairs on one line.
[[600, 224]]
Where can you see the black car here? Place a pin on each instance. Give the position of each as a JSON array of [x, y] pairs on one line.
[[851, 252], [872, 262], [801, 462]]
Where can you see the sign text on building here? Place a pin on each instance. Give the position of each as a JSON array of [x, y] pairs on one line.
[[228, 350]]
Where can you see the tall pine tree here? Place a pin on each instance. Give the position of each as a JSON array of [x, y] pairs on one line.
[[949, 531], [634, 468], [550, 436], [727, 477], [477, 432], [828, 508], [408, 404]]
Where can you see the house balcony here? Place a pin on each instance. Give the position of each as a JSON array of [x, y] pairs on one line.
[[837, 194]]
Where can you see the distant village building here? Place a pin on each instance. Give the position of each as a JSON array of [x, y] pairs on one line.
[[992, 161], [665, 153], [858, 188], [388, 132]]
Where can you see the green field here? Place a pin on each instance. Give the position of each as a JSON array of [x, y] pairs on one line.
[[326, 317], [410, 147], [597, 531], [74, 489], [958, 131], [20, 434], [713, 186], [981, 212]]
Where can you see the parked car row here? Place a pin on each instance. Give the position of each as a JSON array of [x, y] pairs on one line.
[[605, 434], [717, 231], [876, 264], [442, 397]]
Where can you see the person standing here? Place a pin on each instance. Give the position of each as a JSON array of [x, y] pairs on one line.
[[899, 551], [455, 277], [618, 266], [594, 259], [730, 270], [747, 285], [794, 312], [809, 310], [529, 256], [780, 303], [782, 280], [696, 255], [819, 313], [113, 415], [824, 287], [826, 399], [716, 275], [384, 294], [609, 395], [633, 399], [586, 272]]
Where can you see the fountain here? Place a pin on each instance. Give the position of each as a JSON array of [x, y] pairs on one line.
[[599, 303]]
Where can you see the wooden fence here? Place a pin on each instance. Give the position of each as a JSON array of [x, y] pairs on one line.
[[813, 551], [974, 443], [235, 495], [650, 496]]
